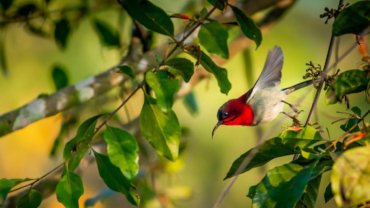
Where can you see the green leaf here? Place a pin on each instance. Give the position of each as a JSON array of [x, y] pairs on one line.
[[247, 25], [6, 185], [182, 67], [123, 151], [69, 189], [310, 194], [219, 72], [114, 179], [283, 186], [348, 82], [356, 110], [127, 70], [26, 9], [5, 4], [149, 15], [61, 32], [190, 102], [161, 129], [32, 199], [213, 36], [353, 19], [350, 124], [108, 35], [219, 4], [60, 77], [77, 147], [290, 142], [164, 87], [350, 177], [328, 195]]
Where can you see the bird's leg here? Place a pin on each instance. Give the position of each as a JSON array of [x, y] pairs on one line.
[[296, 122], [293, 107]]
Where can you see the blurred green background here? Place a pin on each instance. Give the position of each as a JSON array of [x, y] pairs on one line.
[[197, 179]]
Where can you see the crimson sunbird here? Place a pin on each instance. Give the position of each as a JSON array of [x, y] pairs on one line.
[[264, 101]]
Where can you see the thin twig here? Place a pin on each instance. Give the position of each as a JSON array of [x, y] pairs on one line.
[[323, 75]]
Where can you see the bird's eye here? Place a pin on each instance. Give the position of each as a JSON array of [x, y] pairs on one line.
[[222, 115]]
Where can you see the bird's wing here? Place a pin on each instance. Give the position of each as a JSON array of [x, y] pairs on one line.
[[271, 73]]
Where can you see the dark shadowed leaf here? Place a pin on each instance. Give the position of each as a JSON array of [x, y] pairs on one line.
[[60, 77], [219, 72], [247, 25], [6, 185], [213, 37], [114, 179], [182, 67], [26, 9], [309, 196], [282, 186], [32, 199], [149, 15], [351, 125], [219, 4], [62, 32], [353, 19], [328, 195], [350, 177], [69, 189], [123, 151], [190, 102], [5, 4], [348, 82], [161, 129], [107, 34], [164, 86], [77, 147], [127, 70], [290, 142]]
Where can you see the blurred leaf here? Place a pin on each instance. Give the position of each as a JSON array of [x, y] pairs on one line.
[[356, 110], [77, 147], [103, 194], [127, 70], [219, 4], [282, 186], [161, 129], [348, 82], [5, 4], [353, 19], [69, 189], [328, 195], [6, 185], [288, 143], [67, 124], [213, 36], [190, 102], [182, 67], [37, 29], [62, 32], [107, 34], [60, 77], [219, 72], [123, 151], [3, 63], [350, 177], [26, 9], [164, 87], [32, 199], [149, 15], [310, 194], [247, 25], [114, 179], [349, 125]]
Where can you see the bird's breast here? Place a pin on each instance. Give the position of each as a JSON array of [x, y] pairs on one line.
[[266, 104]]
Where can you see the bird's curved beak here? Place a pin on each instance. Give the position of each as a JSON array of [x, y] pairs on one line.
[[214, 129]]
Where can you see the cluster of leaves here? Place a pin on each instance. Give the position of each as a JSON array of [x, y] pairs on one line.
[[119, 166], [346, 157]]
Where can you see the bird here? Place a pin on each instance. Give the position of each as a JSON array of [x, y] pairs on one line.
[[264, 101]]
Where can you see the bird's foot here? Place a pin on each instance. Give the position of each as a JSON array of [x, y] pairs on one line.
[[296, 122], [293, 107]]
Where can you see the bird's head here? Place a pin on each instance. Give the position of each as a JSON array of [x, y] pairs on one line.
[[234, 112]]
